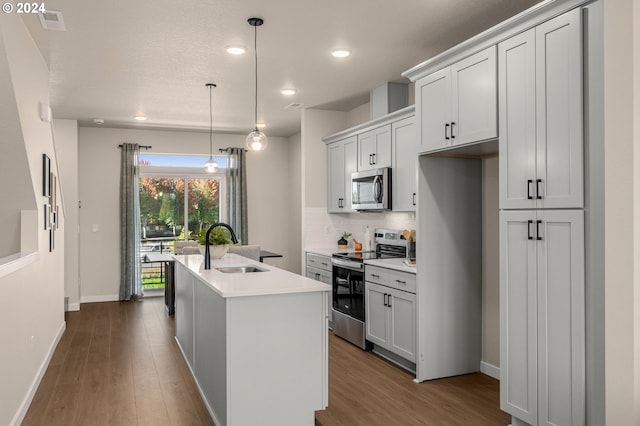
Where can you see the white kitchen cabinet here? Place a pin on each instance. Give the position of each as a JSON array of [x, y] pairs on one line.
[[374, 148], [405, 162], [542, 316], [540, 110], [390, 313], [319, 268], [342, 160], [458, 104], [184, 316]]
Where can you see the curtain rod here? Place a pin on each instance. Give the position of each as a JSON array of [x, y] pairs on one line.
[[139, 146], [226, 149]]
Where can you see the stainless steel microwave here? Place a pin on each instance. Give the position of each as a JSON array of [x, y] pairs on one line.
[[371, 189]]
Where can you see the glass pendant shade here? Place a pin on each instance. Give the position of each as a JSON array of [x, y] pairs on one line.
[[211, 166], [257, 141]]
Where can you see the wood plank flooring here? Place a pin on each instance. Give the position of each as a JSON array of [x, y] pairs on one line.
[[117, 364], [367, 390]]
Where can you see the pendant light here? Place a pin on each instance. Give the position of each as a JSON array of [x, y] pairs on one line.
[[210, 166], [256, 140]]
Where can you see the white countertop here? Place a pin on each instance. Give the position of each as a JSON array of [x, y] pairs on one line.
[[397, 264], [273, 281], [326, 251]]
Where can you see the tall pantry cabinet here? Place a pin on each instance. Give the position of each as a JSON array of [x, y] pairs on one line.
[[542, 297]]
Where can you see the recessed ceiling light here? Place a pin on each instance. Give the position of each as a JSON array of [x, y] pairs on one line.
[[98, 121], [140, 117], [341, 53], [235, 50], [288, 92], [261, 124]]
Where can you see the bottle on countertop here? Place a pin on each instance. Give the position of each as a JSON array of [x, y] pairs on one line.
[[367, 239]]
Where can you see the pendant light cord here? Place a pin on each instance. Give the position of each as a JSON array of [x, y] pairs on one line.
[[210, 125], [255, 53]]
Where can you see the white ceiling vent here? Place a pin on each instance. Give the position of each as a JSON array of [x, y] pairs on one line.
[[294, 105], [52, 20]]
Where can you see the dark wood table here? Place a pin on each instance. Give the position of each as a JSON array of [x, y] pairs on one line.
[[264, 254]]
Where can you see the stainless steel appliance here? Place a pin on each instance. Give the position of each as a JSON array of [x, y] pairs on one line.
[[348, 284], [371, 189]]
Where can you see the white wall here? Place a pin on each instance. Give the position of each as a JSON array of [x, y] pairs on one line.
[[32, 317], [490, 263], [99, 171], [295, 203], [66, 145], [622, 218]]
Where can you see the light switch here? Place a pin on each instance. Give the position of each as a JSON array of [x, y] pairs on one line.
[[95, 227]]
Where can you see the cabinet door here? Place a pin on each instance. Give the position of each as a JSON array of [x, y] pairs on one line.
[[559, 111], [433, 110], [516, 63], [376, 314], [374, 148], [402, 321], [335, 177], [350, 166], [474, 98], [405, 164], [184, 283], [561, 318], [518, 315]]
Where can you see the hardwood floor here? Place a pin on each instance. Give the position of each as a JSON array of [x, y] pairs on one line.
[[117, 364], [365, 389]]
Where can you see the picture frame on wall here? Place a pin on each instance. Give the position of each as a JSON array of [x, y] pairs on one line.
[[47, 216], [46, 170]]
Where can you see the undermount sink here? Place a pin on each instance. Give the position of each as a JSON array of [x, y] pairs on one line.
[[240, 269]]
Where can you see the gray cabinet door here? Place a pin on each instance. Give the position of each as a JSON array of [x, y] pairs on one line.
[[405, 164], [561, 317], [376, 314], [559, 160], [184, 311], [541, 140], [433, 109], [474, 97], [335, 177], [542, 320], [374, 148], [402, 321], [342, 160], [516, 62], [518, 316]]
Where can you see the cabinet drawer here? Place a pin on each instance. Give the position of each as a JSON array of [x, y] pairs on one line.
[[319, 275], [373, 274], [318, 261], [402, 281]]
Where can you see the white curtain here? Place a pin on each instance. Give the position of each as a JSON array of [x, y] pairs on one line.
[[130, 267], [237, 193]]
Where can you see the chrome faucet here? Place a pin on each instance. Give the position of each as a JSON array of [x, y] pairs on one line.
[[207, 258]]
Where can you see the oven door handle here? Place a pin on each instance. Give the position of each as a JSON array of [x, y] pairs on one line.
[[354, 266]]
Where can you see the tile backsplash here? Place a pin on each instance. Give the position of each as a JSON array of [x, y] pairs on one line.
[[323, 230]]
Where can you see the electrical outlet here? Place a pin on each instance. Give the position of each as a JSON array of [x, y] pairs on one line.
[[95, 227]]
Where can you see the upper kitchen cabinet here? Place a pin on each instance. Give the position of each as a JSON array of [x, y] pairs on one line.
[[342, 160], [388, 141], [541, 148], [458, 104], [405, 162], [374, 148]]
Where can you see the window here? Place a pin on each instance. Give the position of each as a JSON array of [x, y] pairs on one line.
[[177, 195], [178, 201]]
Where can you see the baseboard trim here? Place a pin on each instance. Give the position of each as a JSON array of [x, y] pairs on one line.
[[101, 298], [490, 370], [26, 402], [72, 307]]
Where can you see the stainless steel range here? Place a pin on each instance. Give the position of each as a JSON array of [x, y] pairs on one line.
[[348, 284]]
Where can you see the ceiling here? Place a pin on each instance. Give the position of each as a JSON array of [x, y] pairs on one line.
[[120, 58]]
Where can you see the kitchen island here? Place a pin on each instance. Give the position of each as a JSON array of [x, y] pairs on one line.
[[255, 342]]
